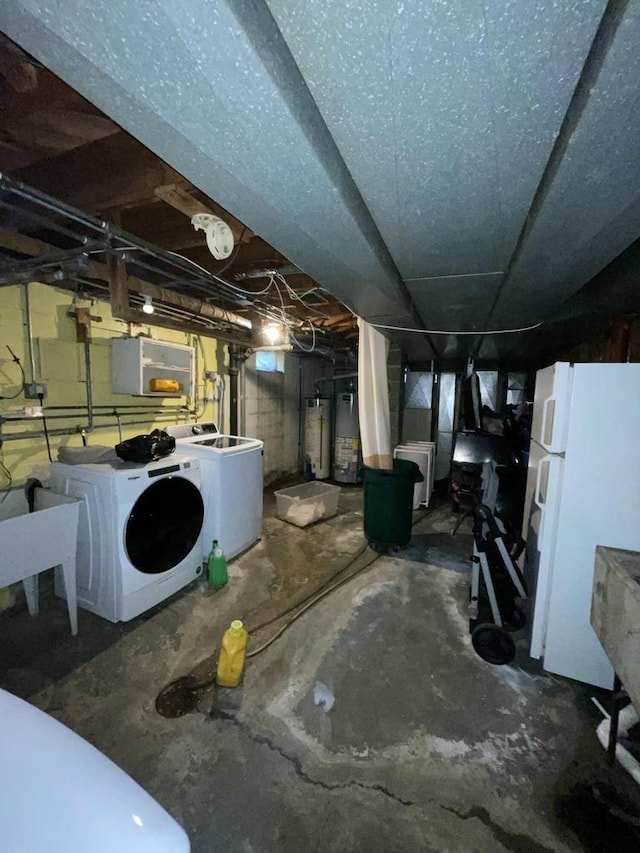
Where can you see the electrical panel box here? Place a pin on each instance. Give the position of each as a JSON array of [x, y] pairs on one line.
[[141, 364]]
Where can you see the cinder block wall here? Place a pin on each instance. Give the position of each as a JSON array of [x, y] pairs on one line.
[[274, 406]]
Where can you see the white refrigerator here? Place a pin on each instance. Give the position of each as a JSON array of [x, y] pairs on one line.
[[583, 490]]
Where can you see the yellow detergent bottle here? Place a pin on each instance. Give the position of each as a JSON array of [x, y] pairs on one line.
[[165, 386], [232, 651]]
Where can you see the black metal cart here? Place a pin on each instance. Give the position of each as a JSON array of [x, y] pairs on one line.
[[497, 586]]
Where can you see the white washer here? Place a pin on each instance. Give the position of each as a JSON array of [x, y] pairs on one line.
[[232, 482], [139, 532]]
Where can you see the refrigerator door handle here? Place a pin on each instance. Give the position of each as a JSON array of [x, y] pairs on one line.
[[536, 495], [543, 428]]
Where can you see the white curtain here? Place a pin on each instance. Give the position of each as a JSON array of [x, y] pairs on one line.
[[373, 397]]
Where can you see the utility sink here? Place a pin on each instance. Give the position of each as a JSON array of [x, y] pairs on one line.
[[615, 613]]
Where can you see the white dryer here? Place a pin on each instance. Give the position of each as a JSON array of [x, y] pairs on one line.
[[139, 533], [232, 483]]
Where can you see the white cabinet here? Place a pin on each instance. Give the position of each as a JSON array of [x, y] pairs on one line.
[[140, 364]]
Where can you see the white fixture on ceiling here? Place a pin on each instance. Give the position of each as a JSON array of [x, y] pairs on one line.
[[219, 235], [148, 305]]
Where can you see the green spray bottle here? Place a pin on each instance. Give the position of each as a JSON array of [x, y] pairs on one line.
[[217, 567]]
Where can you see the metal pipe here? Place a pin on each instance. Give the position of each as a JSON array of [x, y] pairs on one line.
[[336, 376], [196, 369], [49, 224], [118, 419], [26, 436], [234, 363], [203, 310], [29, 330], [31, 194], [31, 418], [220, 385], [113, 413], [87, 382], [300, 414], [110, 406], [274, 348]]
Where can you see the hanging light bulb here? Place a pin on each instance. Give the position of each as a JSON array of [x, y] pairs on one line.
[[273, 333], [148, 305]]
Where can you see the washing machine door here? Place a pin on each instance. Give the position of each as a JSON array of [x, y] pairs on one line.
[[164, 525]]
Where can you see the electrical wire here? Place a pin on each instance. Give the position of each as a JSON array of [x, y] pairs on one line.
[[313, 339], [273, 282], [451, 332], [252, 293], [46, 431], [234, 255], [301, 346], [7, 474], [20, 390], [221, 281], [300, 297]]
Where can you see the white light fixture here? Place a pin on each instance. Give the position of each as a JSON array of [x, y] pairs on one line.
[[219, 235], [273, 333], [148, 305]]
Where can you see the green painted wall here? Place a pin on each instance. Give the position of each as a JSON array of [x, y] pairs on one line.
[[59, 362]]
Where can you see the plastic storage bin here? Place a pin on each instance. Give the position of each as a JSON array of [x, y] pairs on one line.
[[309, 502], [388, 503]]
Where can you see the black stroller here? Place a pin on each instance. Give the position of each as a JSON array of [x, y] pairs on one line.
[[496, 586]]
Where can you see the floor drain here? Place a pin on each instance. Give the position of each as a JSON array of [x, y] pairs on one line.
[[181, 696]]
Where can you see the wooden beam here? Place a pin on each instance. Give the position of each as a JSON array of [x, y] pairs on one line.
[[17, 67], [337, 319], [15, 242], [619, 339], [56, 130], [116, 171], [161, 225], [118, 287], [182, 200]]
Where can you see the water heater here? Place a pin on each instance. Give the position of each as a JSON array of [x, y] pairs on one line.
[[347, 442], [317, 434]]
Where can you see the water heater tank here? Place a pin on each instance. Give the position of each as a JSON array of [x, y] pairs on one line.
[[347, 442], [317, 434]]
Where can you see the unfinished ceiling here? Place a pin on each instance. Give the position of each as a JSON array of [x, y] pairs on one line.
[[108, 196], [436, 165]]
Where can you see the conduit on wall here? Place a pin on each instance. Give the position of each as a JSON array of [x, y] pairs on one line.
[[373, 397]]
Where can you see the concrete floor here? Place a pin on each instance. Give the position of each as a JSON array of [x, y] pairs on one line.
[[427, 747]]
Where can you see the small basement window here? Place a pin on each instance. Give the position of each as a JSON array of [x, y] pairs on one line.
[[270, 362]]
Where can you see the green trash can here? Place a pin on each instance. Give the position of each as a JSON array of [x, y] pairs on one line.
[[388, 503]]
